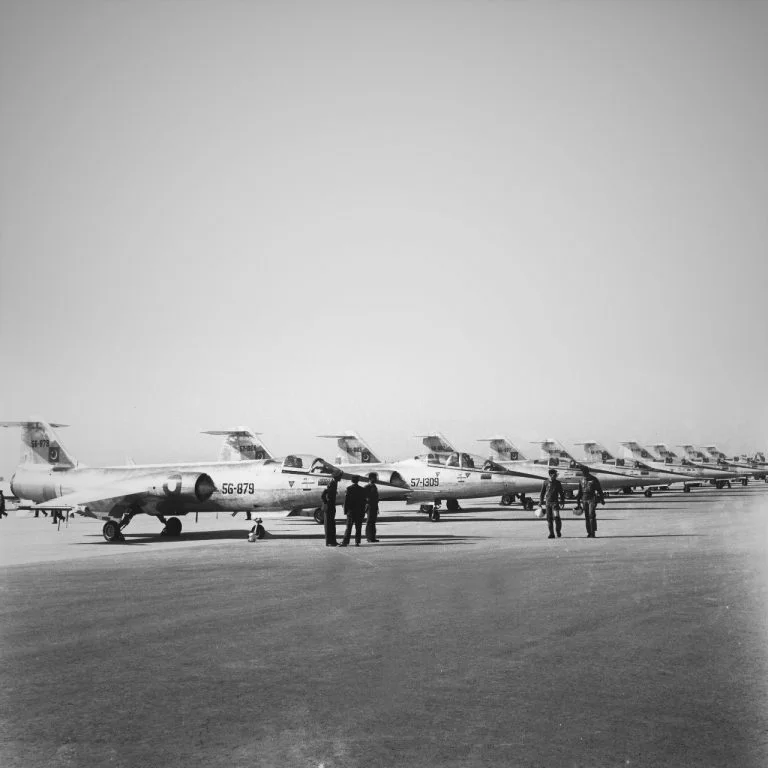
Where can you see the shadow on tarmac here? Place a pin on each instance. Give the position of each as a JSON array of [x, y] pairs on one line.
[[141, 539]]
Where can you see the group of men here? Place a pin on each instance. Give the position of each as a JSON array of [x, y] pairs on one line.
[[357, 503], [588, 496]]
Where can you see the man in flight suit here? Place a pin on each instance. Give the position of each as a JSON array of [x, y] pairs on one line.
[[372, 506], [590, 492], [329, 514], [354, 509], [553, 494]]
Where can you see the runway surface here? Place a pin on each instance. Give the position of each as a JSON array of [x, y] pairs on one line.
[[475, 641]]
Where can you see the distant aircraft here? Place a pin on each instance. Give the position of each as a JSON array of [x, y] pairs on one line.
[[509, 456], [707, 471], [745, 470], [699, 458], [640, 456], [650, 478], [429, 478], [51, 478], [611, 476]]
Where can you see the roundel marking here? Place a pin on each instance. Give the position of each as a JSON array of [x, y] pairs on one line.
[[53, 454], [366, 457], [172, 485]]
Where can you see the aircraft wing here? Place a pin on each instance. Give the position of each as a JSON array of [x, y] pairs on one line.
[[105, 496]]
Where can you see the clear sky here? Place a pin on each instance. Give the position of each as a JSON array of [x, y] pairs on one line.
[[539, 219]]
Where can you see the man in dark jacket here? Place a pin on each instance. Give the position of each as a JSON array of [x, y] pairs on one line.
[[3, 513], [590, 492], [329, 511], [372, 507], [354, 509], [553, 495]]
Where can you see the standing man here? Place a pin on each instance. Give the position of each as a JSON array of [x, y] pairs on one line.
[[329, 511], [354, 509], [590, 492], [372, 506], [3, 513], [553, 494]]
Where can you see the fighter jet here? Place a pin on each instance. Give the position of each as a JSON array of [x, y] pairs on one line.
[[612, 477], [650, 478], [51, 478], [510, 457], [640, 456], [698, 458], [431, 477], [744, 470], [707, 472]]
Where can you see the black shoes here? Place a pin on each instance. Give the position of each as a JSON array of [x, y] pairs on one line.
[[551, 536]]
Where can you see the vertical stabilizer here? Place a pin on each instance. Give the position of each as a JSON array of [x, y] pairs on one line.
[[502, 449], [241, 444], [551, 449], [633, 450], [41, 445], [436, 442], [594, 451], [353, 449]]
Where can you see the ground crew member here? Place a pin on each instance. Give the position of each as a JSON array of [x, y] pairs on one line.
[[553, 495], [590, 492], [354, 509], [329, 511], [372, 507], [3, 513]]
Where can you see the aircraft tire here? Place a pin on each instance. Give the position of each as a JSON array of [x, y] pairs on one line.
[[507, 499], [173, 527], [647, 493], [319, 516], [529, 505], [452, 505], [111, 531], [435, 516], [426, 509], [686, 489], [260, 531], [744, 480]]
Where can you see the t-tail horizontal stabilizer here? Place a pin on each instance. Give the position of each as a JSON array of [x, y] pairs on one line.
[[353, 449], [594, 451], [41, 445], [436, 442], [241, 444], [502, 449]]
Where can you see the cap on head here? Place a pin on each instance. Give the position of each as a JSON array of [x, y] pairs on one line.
[[373, 477], [553, 472]]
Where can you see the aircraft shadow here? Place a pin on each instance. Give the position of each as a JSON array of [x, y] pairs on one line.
[[643, 536]]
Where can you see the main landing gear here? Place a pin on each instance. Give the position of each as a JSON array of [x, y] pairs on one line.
[[647, 493], [432, 510], [172, 526]]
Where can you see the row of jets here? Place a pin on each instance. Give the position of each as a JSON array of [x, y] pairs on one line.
[[248, 478]]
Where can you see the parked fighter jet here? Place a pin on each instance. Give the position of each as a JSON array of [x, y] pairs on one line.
[[744, 470], [641, 456], [429, 478], [509, 456], [708, 471], [598, 456], [611, 477], [699, 458], [51, 478]]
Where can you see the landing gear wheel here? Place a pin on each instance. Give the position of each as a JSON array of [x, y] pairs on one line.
[[647, 493], [172, 527], [453, 505], [528, 505], [111, 531], [507, 499], [744, 480], [686, 489], [426, 509], [435, 516], [319, 516], [260, 532]]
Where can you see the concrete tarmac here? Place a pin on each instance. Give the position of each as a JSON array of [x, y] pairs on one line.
[[475, 641]]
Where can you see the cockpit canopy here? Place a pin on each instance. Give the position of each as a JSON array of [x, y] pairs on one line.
[[457, 460], [303, 463]]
